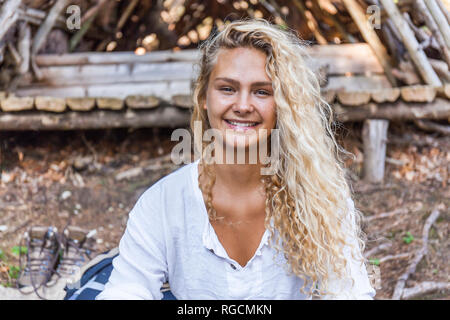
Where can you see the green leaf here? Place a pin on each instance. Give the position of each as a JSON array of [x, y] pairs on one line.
[[18, 250], [408, 238], [14, 272], [375, 261], [2, 254]]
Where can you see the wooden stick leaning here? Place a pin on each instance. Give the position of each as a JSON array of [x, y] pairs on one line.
[[415, 51], [398, 291], [444, 10], [371, 38], [8, 15], [440, 19], [46, 27]]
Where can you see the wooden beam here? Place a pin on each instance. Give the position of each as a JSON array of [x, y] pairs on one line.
[[374, 135], [169, 117], [371, 38], [399, 111]]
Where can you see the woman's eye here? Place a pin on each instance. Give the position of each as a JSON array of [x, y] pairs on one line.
[[226, 89], [263, 92]]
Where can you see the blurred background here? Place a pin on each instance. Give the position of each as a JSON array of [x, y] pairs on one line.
[[91, 90]]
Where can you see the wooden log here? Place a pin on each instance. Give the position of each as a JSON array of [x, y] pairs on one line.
[[433, 127], [24, 48], [51, 104], [182, 100], [353, 98], [371, 37], [374, 135], [418, 93], [417, 55], [110, 103], [47, 25], [385, 95], [14, 53], [425, 287], [441, 69], [444, 91], [80, 104], [13, 103], [8, 15], [398, 111], [407, 73], [440, 19], [167, 117], [142, 102], [444, 10]]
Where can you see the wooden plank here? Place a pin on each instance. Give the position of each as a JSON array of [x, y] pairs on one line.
[[396, 111], [62, 92], [353, 98], [385, 95], [183, 101], [418, 93], [142, 102], [116, 57], [51, 104], [13, 103], [356, 58], [80, 104], [105, 74], [167, 117], [109, 103], [122, 90], [357, 83]]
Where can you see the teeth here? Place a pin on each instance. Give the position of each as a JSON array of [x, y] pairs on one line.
[[242, 124]]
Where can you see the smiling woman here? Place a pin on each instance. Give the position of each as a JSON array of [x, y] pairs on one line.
[[227, 231]]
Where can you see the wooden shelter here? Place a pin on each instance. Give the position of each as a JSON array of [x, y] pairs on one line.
[[397, 72]]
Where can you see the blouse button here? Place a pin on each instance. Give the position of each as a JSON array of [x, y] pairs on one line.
[[233, 266], [211, 250]]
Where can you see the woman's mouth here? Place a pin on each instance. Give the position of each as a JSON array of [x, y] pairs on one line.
[[241, 124]]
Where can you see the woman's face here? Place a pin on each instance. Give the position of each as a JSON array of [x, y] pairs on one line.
[[239, 98]]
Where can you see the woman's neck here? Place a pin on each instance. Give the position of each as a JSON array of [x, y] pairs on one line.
[[238, 177]]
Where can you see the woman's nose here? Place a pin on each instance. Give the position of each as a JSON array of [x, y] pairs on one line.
[[243, 104]]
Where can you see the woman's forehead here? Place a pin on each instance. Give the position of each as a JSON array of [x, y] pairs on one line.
[[241, 63]]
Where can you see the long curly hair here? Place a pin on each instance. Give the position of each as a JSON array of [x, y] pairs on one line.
[[307, 197]]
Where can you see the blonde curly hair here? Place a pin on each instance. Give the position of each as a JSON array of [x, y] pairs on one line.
[[307, 198]]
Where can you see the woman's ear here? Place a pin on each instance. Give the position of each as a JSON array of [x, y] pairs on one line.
[[204, 106]]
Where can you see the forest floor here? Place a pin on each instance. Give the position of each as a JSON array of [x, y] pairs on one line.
[[50, 177]]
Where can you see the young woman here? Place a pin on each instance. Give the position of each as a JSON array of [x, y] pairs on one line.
[[216, 230]]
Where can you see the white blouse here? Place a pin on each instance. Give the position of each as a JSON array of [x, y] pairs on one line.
[[169, 238]]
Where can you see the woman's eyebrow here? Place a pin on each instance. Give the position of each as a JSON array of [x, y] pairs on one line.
[[236, 83]]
